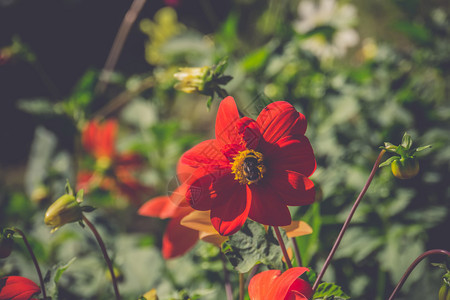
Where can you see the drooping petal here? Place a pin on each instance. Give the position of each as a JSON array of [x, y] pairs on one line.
[[162, 207], [225, 129], [293, 188], [261, 283], [280, 119], [292, 153], [297, 228], [178, 239], [281, 286], [267, 207], [231, 208], [17, 288], [204, 192]]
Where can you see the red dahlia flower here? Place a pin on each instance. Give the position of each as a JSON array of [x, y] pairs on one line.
[[271, 284], [252, 168], [17, 288]]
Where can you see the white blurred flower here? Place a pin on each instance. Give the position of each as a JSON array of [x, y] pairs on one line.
[[327, 13]]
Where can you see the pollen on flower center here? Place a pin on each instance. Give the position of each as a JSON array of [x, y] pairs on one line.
[[248, 167]]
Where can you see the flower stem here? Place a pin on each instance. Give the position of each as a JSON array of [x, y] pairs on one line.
[[413, 265], [241, 286], [119, 41], [105, 255], [226, 275], [283, 247], [298, 258], [349, 218], [33, 258]]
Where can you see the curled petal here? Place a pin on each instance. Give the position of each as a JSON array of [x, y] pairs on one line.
[[17, 288], [284, 283], [280, 119], [261, 283]]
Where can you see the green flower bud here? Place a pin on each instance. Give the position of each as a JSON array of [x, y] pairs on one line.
[[444, 292], [64, 210], [405, 167], [6, 243]]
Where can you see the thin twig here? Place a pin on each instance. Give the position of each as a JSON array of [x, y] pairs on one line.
[[298, 258], [349, 218], [226, 275], [119, 41], [283, 247], [413, 265], [105, 255], [33, 258]]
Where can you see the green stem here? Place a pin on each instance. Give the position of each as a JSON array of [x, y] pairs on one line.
[[226, 275], [349, 218], [283, 247], [33, 258], [105, 255]]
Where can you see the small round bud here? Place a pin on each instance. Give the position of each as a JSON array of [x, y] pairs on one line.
[[6, 243], [405, 167], [64, 210]]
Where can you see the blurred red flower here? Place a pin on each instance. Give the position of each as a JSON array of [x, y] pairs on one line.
[[17, 288], [113, 171], [252, 168], [271, 284]]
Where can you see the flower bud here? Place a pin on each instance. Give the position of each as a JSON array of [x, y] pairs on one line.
[[64, 210], [6, 243], [405, 167], [444, 292], [191, 80]]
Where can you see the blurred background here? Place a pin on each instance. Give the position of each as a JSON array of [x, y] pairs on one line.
[[362, 72]]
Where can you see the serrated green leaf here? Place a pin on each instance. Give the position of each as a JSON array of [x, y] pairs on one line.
[[329, 291], [252, 245]]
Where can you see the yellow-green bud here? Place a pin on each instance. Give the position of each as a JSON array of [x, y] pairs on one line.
[[191, 80], [64, 210], [444, 292]]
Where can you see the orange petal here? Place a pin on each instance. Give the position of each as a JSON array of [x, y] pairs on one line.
[[199, 220], [297, 228], [212, 238]]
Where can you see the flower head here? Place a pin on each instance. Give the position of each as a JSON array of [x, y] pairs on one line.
[[271, 284], [191, 80], [63, 211], [17, 288], [252, 168]]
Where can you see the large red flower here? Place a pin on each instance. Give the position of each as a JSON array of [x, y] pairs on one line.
[[271, 284], [252, 168], [17, 288]]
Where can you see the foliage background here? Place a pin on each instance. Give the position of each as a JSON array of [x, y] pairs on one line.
[[394, 79]]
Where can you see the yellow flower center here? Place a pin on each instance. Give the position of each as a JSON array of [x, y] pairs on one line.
[[248, 167]]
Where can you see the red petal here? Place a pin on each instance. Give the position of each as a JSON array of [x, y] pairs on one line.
[[294, 188], [261, 283], [291, 153], [178, 239], [294, 295], [281, 286], [203, 193], [231, 207], [162, 207], [248, 129], [206, 155], [267, 206], [17, 288], [300, 289], [99, 139], [227, 116], [280, 119]]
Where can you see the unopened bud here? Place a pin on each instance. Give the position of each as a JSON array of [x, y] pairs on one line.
[[64, 210], [191, 80], [6, 243]]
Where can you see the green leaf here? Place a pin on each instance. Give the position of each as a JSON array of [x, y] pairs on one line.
[[68, 188], [54, 275], [422, 148], [80, 195], [41, 107], [255, 60], [329, 291], [220, 67], [406, 141], [388, 161], [252, 245]]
